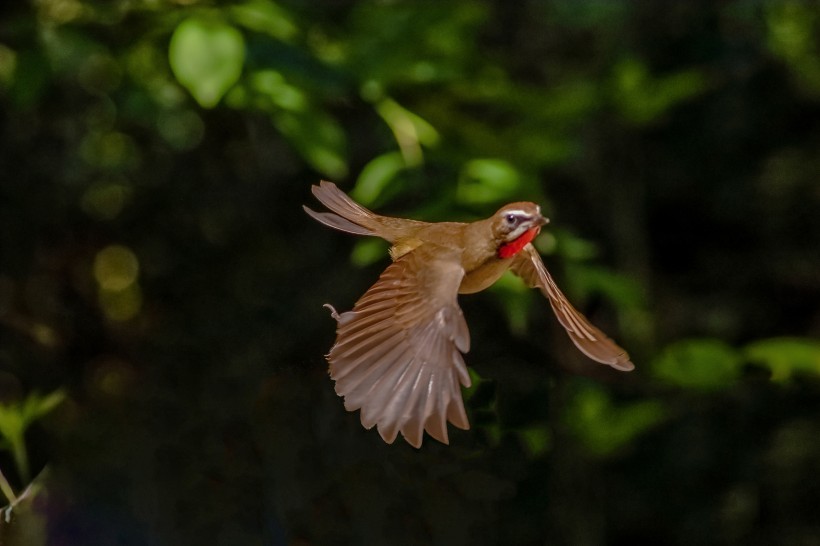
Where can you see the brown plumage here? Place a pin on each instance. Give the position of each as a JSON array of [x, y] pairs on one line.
[[397, 355]]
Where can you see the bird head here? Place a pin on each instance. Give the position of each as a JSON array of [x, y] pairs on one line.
[[515, 225], [512, 221]]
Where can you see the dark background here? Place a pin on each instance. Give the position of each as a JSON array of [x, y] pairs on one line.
[[159, 278]]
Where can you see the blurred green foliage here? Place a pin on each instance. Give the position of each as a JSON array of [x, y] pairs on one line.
[[206, 57], [158, 276], [15, 418]]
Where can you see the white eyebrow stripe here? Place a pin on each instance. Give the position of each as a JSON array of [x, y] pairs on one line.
[[517, 212]]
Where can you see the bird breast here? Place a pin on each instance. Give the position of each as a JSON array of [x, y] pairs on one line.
[[483, 276]]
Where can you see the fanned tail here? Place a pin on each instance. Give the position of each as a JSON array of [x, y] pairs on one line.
[[349, 216]]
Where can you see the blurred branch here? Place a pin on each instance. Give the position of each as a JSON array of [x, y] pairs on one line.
[[6, 489]]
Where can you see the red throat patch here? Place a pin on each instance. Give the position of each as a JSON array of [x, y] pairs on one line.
[[508, 250]]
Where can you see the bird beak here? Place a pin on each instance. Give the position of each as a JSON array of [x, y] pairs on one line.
[[542, 220]]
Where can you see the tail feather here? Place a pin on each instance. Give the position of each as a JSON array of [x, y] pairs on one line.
[[337, 222], [338, 201], [349, 216]]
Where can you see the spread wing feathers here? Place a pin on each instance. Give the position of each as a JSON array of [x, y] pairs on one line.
[[397, 355], [589, 339], [349, 215]]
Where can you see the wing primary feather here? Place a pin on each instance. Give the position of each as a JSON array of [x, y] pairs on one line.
[[397, 355], [375, 407], [356, 389], [368, 347], [410, 422], [354, 321], [456, 413], [383, 392], [436, 423], [587, 338]]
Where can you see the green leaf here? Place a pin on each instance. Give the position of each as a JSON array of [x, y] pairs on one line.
[[604, 426], [476, 383], [271, 84], [487, 181], [537, 439], [36, 406], [267, 17], [368, 251], [376, 175], [705, 364], [207, 56], [793, 37], [515, 299], [785, 356], [16, 417], [30, 79], [411, 131], [318, 137], [642, 98], [625, 291], [572, 247], [12, 423]]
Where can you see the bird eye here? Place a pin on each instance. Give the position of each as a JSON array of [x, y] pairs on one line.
[[511, 219]]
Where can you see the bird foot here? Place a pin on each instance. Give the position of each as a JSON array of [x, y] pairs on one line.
[[333, 312]]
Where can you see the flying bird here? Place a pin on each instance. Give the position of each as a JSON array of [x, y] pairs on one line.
[[398, 353]]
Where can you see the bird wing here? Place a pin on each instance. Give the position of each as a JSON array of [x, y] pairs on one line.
[[589, 339], [397, 355]]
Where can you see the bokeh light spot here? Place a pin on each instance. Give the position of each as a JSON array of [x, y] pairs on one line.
[[181, 129], [121, 305], [8, 65], [104, 201], [108, 149], [44, 335], [116, 268], [110, 377]]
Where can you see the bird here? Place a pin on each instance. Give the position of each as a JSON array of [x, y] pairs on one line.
[[398, 353]]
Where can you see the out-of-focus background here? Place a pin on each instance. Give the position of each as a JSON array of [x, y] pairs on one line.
[[162, 378]]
